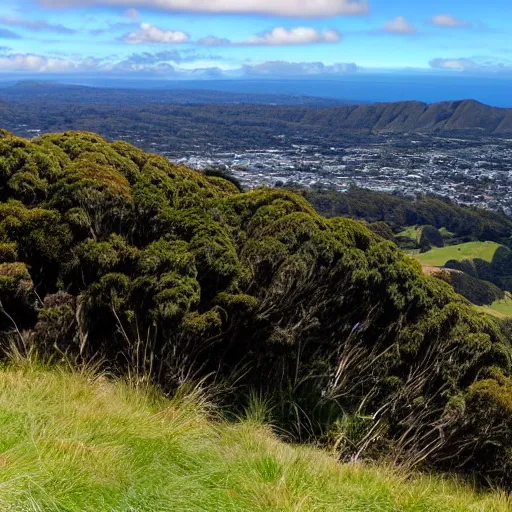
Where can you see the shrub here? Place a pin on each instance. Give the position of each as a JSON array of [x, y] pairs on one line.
[[126, 254], [428, 236]]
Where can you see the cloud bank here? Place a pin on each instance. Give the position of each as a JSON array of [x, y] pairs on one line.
[[447, 20], [279, 36], [399, 25], [283, 68], [35, 25], [473, 64], [149, 34], [40, 64], [165, 64], [293, 8], [8, 34]]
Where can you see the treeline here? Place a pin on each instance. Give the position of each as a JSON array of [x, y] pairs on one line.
[[107, 251], [173, 126], [467, 223], [497, 271], [475, 289]]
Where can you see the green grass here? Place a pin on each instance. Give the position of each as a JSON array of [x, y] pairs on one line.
[[471, 250], [74, 442], [499, 308], [445, 233], [410, 232]]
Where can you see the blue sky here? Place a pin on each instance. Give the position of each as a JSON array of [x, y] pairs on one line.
[[254, 38]]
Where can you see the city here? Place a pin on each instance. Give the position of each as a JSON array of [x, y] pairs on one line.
[[468, 172]]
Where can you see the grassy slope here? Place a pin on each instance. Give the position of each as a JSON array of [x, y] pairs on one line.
[[499, 308], [471, 250], [410, 232], [77, 443]]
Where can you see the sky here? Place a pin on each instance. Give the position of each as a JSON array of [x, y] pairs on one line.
[[196, 39]]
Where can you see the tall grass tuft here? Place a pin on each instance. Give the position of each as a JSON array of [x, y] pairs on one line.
[[80, 441]]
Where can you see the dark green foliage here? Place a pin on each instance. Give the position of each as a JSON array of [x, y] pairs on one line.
[[57, 322], [382, 229], [498, 271], [429, 236], [156, 267], [485, 427], [224, 174], [16, 294], [475, 290], [466, 223]]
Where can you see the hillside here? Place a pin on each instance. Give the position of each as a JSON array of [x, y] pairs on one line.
[[472, 250], [411, 116], [401, 212], [94, 107], [80, 443], [45, 91], [161, 271]]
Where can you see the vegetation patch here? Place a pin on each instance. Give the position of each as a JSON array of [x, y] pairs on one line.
[[410, 232], [456, 221], [81, 443], [500, 308], [472, 250], [166, 274]]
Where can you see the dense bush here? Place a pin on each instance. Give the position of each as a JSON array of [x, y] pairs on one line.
[[475, 290], [498, 271], [429, 236], [109, 251], [383, 230], [466, 223]]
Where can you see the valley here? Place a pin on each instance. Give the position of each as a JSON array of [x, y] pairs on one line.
[[459, 150]]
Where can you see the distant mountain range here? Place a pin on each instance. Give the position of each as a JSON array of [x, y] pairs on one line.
[[54, 106], [71, 93], [413, 116]]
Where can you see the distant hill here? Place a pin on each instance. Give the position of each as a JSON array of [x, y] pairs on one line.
[[70, 93], [465, 116], [413, 116], [399, 212]]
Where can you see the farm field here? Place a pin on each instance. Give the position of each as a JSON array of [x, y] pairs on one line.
[[471, 250]]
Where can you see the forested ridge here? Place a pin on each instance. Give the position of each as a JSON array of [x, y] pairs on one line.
[[32, 100], [107, 251], [398, 212]]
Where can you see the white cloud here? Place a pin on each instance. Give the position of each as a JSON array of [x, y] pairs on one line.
[[298, 8], [34, 25], [455, 64], [399, 26], [283, 68], [447, 20], [149, 34], [279, 36], [473, 64], [41, 64], [132, 13]]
